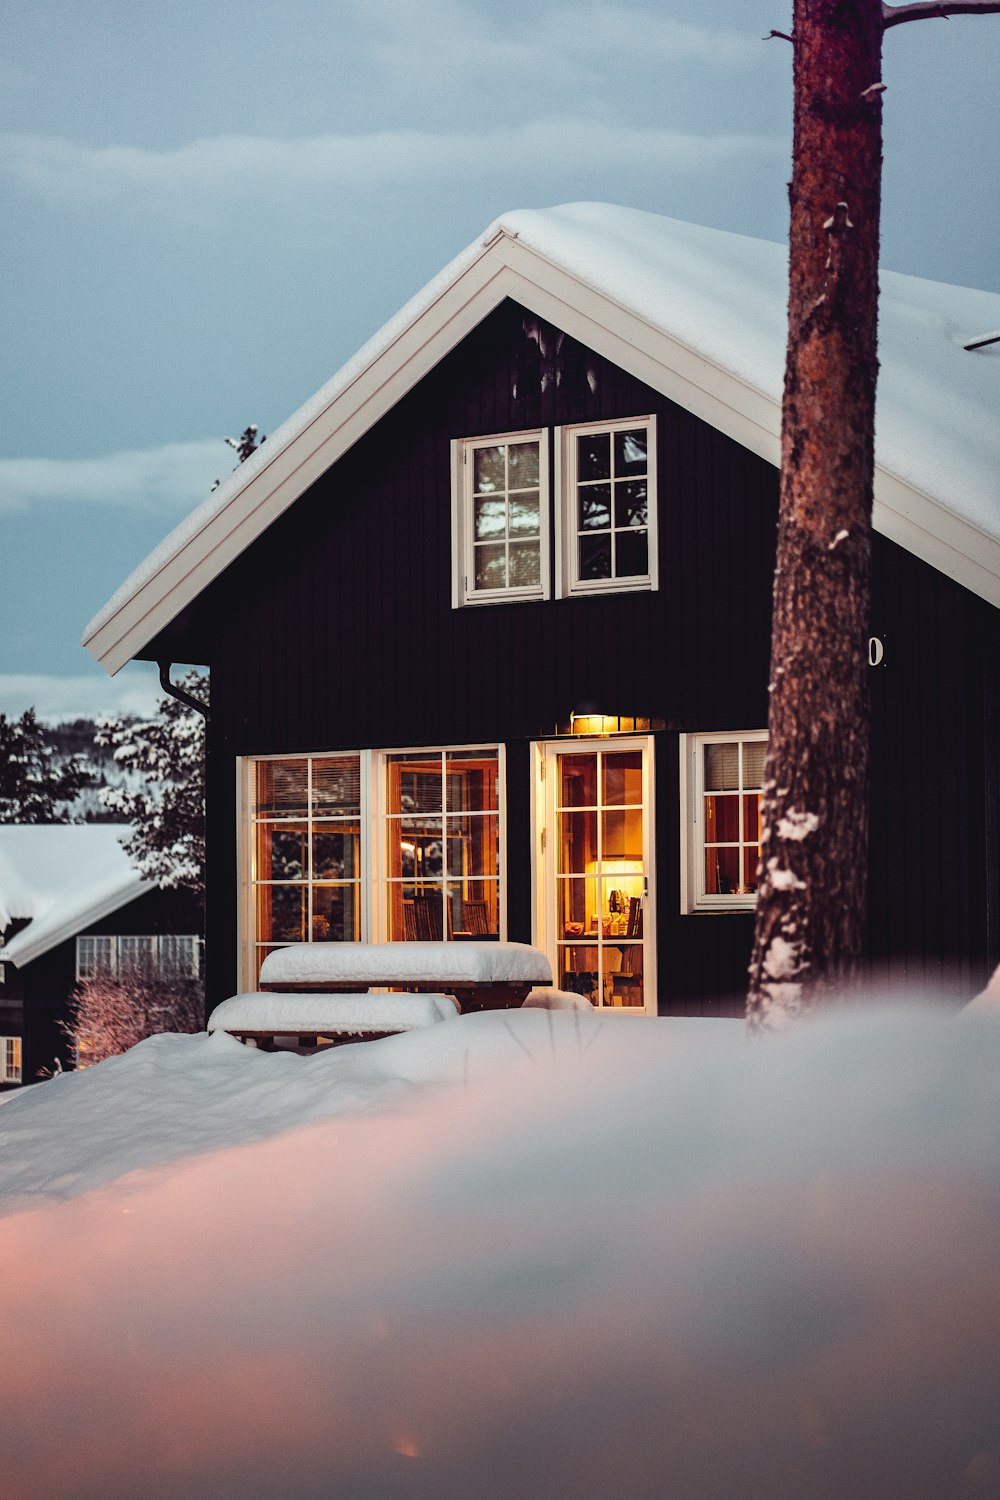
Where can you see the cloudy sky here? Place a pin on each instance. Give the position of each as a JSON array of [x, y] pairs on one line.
[[207, 208]]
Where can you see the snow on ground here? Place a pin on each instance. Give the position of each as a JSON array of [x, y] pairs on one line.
[[524, 1254]]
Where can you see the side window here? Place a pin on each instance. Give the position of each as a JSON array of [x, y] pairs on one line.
[[10, 1059], [607, 506], [500, 512], [95, 955], [722, 775]]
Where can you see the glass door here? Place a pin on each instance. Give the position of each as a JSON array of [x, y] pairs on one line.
[[597, 860]]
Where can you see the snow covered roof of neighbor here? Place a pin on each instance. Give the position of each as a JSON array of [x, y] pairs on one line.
[[61, 876], [698, 314], [520, 1254], [395, 963]]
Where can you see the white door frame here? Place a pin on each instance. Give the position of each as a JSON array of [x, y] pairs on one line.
[[543, 847]]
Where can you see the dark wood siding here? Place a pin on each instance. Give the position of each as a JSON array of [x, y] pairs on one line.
[[335, 630]]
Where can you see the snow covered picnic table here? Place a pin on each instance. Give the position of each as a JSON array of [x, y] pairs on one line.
[[259, 1018], [481, 976]]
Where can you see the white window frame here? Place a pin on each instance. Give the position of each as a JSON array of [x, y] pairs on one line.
[[464, 591], [694, 897], [568, 582], [10, 1059], [373, 887], [86, 970]]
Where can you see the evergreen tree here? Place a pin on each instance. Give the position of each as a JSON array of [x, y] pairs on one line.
[[33, 787], [164, 798]]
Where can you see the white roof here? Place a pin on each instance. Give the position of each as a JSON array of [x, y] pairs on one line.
[[62, 877], [698, 314]]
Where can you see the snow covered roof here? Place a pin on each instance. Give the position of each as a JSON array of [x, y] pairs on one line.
[[698, 314], [61, 877]]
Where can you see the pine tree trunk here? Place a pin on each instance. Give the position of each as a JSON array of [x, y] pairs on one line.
[[809, 930]]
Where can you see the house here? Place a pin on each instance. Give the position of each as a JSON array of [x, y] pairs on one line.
[[72, 905], [488, 622]]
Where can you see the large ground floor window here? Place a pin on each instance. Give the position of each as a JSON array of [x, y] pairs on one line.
[[372, 845]]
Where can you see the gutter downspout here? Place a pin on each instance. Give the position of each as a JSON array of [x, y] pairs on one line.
[[178, 692]]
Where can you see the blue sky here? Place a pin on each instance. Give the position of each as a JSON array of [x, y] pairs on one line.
[[207, 208]]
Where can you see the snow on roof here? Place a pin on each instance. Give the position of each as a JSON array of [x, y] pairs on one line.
[[61, 876], [721, 297]]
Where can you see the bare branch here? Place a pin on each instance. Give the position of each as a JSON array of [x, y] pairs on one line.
[[923, 10], [782, 34]]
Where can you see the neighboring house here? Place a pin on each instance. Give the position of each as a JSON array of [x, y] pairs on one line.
[[71, 905], [488, 622]]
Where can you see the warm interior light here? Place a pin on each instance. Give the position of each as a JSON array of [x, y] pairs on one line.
[[594, 723]]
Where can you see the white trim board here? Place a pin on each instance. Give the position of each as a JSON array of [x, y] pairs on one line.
[[407, 349]]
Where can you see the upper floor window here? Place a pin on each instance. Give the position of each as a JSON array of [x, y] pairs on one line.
[[100, 953], [721, 788], [607, 516], [603, 504], [502, 518]]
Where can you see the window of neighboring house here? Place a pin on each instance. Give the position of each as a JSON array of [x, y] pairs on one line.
[[10, 1059], [606, 505], [722, 775], [97, 953], [331, 859], [501, 518]]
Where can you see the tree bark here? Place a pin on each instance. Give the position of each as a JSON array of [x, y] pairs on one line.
[[809, 930]]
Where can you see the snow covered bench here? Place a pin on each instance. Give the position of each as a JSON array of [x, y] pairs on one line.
[[315, 1020], [481, 976]]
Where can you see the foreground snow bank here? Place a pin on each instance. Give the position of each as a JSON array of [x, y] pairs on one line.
[[526, 1254]]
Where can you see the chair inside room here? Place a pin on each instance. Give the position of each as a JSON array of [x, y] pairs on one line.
[[425, 918]]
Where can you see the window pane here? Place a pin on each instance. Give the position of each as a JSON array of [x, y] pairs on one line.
[[632, 554], [754, 756], [595, 507], [471, 781], [523, 459], [282, 788], [414, 783], [751, 859], [335, 852], [593, 455], [577, 906], [491, 518], [623, 778], [281, 913], [621, 839], [722, 820], [336, 915], [578, 780], [722, 767], [630, 451], [472, 846], [490, 567], [595, 557], [336, 786], [489, 469], [474, 911], [524, 514], [525, 567], [751, 819], [577, 848], [420, 846], [281, 852], [578, 972], [722, 871], [630, 503]]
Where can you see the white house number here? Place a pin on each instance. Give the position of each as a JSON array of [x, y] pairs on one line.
[[876, 651]]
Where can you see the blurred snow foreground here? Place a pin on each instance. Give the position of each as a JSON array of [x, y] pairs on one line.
[[522, 1254]]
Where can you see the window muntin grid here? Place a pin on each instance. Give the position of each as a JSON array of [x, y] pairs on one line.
[[305, 814], [730, 793], [600, 874], [609, 510], [506, 503], [100, 953], [442, 844]]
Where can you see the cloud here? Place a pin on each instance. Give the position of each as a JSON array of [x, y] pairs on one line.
[[174, 476], [60, 169], [58, 699]]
